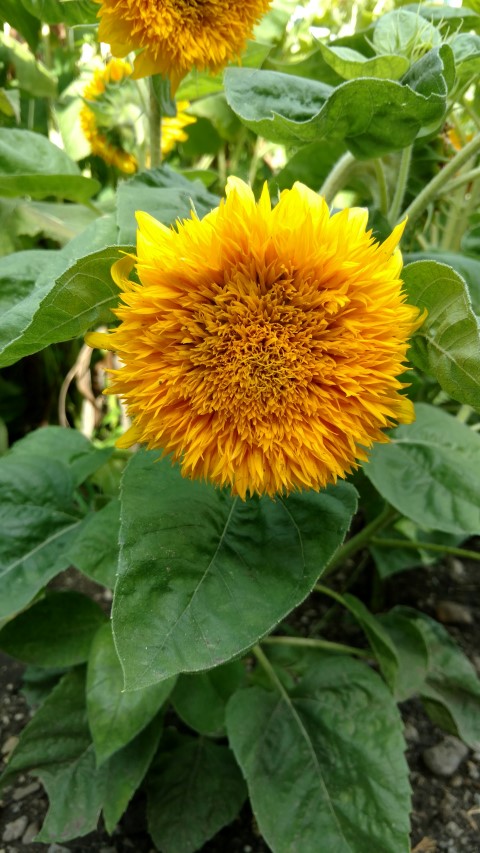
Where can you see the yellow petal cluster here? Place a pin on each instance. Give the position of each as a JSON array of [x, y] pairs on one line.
[[115, 72], [262, 347], [175, 36]]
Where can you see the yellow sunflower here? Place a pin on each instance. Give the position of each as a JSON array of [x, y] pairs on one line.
[[100, 138], [177, 35], [262, 346]]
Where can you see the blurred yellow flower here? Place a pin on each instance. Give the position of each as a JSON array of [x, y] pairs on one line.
[[99, 118], [262, 346], [177, 35], [115, 73]]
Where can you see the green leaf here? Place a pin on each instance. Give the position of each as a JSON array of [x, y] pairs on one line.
[[38, 521], [27, 293], [80, 298], [95, 549], [216, 792], [200, 699], [213, 572], [198, 84], [56, 631], [32, 77], [411, 653], [371, 116], [164, 194], [116, 717], [447, 345], [466, 52], [430, 472], [70, 12], [467, 267], [32, 165], [65, 445], [406, 33], [324, 760], [123, 772], [350, 64], [17, 16], [378, 638], [451, 689]]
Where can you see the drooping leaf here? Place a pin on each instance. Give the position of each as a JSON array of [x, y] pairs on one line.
[[430, 472], [56, 631], [216, 792], [214, 573], [378, 638], [200, 699], [116, 717], [324, 759], [447, 345], [411, 652]]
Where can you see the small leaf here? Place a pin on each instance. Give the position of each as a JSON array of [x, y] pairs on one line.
[[467, 267], [116, 717], [430, 472], [200, 699], [447, 345], [350, 64], [213, 573], [56, 631], [216, 792], [324, 760]]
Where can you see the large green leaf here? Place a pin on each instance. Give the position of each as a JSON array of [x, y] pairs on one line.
[[447, 345], [70, 12], [32, 165], [324, 759], [56, 631], [371, 116], [17, 16], [450, 688], [216, 792], [200, 699], [116, 717], [214, 573], [80, 298], [38, 521], [466, 266], [430, 472], [378, 638]]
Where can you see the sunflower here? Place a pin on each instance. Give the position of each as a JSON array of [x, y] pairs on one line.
[[177, 35], [261, 347], [99, 115]]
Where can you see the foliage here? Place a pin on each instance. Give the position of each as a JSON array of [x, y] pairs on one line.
[[202, 680]]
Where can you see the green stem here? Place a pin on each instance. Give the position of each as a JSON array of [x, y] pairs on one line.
[[382, 185], [465, 178], [267, 666], [357, 542], [335, 181], [427, 546], [325, 590], [434, 187], [310, 643], [400, 189], [155, 126]]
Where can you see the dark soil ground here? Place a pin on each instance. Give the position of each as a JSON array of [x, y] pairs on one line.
[[446, 811]]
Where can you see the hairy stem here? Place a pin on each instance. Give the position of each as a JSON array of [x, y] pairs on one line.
[[155, 127], [335, 181], [310, 643], [382, 185], [400, 189], [427, 546], [361, 539]]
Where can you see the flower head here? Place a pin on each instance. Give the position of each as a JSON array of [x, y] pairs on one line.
[[99, 115], [177, 35], [262, 346]]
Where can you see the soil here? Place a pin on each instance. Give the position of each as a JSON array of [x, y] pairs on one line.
[[446, 811]]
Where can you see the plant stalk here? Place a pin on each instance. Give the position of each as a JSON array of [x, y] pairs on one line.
[[357, 542], [155, 127], [308, 642], [382, 185], [401, 186], [427, 546], [335, 181]]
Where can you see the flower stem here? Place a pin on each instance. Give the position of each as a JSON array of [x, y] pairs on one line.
[[308, 642], [357, 542], [155, 126], [401, 186], [334, 182], [462, 179], [267, 666], [427, 546], [432, 189], [382, 185]]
